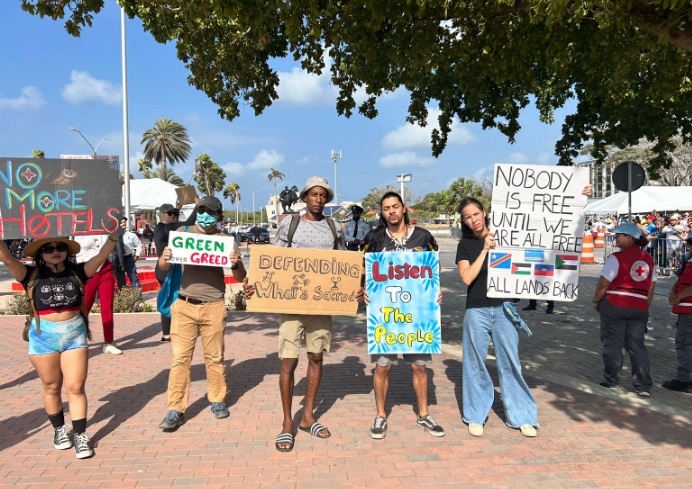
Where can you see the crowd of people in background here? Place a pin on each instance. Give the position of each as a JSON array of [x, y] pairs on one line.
[[666, 235]]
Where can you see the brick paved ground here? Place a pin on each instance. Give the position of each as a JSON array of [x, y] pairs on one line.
[[589, 436]]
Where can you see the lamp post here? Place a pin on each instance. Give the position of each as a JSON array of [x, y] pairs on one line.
[[404, 177], [336, 156], [93, 149], [126, 131]]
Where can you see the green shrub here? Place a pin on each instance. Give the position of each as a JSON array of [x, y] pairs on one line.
[[18, 304], [237, 302], [130, 300]]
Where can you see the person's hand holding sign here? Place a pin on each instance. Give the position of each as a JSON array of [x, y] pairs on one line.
[[165, 257], [489, 242]]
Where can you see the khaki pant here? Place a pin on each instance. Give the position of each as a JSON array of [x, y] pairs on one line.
[[188, 321]]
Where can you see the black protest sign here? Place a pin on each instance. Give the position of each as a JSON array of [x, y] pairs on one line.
[[52, 197]]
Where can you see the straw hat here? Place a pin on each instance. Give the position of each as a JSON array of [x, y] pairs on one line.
[[32, 248]]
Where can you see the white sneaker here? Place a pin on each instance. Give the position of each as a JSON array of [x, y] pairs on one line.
[[475, 429], [112, 349]]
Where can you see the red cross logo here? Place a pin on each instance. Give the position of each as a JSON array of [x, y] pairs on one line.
[[639, 271]]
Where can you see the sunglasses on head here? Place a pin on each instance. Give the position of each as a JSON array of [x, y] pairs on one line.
[[60, 248]]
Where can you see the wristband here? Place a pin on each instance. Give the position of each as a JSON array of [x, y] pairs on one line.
[[112, 240], [234, 267], [596, 302]]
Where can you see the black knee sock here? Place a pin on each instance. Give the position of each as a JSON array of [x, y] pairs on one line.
[[57, 419], [79, 425]]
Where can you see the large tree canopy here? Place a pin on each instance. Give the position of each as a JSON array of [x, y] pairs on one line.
[[626, 62]]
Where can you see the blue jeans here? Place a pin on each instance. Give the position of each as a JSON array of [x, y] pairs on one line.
[[480, 325], [131, 270]]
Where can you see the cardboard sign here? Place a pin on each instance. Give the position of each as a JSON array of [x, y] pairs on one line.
[[403, 313], [186, 194], [304, 281], [52, 197], [200, 249], [538, 221]]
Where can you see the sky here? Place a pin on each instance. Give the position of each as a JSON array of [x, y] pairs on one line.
[[52, 81]]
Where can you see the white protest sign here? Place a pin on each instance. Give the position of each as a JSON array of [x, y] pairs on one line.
[[538, 220], [200, 249]]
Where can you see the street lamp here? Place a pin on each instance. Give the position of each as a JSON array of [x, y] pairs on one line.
[[336, 155], [87, 141], [404, 177]]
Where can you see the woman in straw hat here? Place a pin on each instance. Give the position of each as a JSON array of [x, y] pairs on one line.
[[622, 298], [58, 332]]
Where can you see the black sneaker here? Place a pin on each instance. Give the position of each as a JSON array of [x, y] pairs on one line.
[[220, 410], [431, 426], [378, 430], [678, 385], [608, 385], [530, 307], [549, 310], [61, 439], [172, 420], [81, 446]]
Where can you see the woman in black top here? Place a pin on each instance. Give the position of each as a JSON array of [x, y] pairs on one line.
[[486, 319], [58, 333]]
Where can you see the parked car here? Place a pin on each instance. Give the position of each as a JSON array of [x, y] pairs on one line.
[[255, 234]]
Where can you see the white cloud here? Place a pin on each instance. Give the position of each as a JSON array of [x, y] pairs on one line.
[[298, 87], [30, 99], [265, 160], [409, 136], [84, 88], [405, 159], [518, 158], [233, 168]]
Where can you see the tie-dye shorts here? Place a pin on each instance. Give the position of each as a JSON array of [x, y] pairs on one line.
[[57, 336]]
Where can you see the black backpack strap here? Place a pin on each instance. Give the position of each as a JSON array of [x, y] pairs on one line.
[[30, 286], [332, 226], [295, 220]]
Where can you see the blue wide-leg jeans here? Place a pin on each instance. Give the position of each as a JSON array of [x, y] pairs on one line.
[[480, 325]]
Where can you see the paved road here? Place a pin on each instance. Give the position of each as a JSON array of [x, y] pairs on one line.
[[589, 436]]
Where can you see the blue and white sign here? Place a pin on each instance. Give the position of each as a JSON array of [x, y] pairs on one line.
[[403, 313]]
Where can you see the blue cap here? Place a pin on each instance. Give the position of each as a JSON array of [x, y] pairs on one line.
[[629, 228]]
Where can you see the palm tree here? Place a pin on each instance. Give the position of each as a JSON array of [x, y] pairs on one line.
[[273, 176], [168, 142], [145, 168], [169, 177], [232, 191], [208, 175], [38, 153]]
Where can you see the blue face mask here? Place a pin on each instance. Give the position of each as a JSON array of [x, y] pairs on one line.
[[205, 220]]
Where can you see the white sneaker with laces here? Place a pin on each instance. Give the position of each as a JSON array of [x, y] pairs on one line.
[[111, 349]]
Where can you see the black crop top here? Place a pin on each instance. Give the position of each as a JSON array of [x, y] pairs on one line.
[[56, 290]]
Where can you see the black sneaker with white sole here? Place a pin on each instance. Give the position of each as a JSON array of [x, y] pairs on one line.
[[430, 425], [378, 430], [61, 439], [82, 446]]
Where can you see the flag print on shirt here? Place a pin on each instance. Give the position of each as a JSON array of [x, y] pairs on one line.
[[501, 260], [544, 270], [521, 269], [566, 262]]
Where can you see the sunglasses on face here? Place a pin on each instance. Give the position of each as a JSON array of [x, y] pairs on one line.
[[202, 209], [60, 248], [172, 213]]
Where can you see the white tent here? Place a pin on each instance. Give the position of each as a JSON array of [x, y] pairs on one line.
[[151, 193], [644, 200]]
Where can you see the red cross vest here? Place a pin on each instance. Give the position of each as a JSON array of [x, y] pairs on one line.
[[684, 281], [630, 289]]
